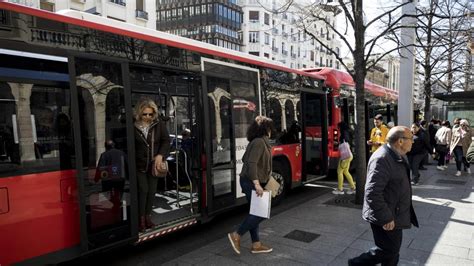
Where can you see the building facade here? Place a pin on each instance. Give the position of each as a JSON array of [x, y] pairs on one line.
[[214, 22], [278, 35], [138, 12]]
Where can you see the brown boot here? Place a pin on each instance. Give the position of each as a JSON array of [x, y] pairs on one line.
[[142, 224], [148, 222]]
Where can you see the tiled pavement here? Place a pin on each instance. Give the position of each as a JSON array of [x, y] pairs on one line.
[[445, 211]]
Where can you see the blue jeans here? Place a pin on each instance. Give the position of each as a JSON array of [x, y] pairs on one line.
[[251, 222], [460, 159]]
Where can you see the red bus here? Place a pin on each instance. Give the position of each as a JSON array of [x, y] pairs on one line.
[[69, 82], [341, 93]]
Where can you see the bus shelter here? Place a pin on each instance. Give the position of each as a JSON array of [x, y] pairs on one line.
[[457, 104]]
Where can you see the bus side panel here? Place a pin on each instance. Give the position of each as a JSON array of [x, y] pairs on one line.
[[42, 216], [293, 153]]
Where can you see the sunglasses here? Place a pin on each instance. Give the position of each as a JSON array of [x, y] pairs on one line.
[[147, 114]]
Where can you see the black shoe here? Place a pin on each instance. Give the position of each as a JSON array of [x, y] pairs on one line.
[[423, 168]]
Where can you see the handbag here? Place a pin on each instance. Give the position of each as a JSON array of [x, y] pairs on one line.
[[345, 151], [273, 186], [163, 170]]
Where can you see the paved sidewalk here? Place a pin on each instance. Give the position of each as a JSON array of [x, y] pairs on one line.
[[443, 203]]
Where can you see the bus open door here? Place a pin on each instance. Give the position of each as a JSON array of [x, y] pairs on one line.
[[315, 135]]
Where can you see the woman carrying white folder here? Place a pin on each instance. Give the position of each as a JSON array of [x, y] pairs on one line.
[[256, 171]]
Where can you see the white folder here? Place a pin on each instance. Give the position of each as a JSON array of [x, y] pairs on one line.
[[261, 206]]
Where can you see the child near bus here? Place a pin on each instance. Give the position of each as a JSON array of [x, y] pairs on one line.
[[344, 165]]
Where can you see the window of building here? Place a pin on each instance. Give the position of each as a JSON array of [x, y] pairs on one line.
[[282, 28], [312, 55], [253, 36], [321, 61], [266, 55], [267, 38], [266, 19], [253, 16], [282, 46], [255, 53]]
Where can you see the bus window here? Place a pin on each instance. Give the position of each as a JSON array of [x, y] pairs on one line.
[[35, 135]]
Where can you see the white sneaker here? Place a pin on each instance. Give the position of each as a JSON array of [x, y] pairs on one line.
[[458, 173], [441, 168], [445, 166], [338, 192], [468, 170], [350, 191]]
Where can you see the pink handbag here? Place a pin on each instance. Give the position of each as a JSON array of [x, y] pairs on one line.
[[345, 151]]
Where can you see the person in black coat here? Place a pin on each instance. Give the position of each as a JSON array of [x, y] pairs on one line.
[[152, 143], [420, 149], [387, 199]]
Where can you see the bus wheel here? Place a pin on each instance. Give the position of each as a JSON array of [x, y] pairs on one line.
[[279, 175]]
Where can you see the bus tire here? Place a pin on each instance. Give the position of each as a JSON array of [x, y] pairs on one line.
[[279, 174]]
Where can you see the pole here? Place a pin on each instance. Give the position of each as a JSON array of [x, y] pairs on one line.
[[407, 66]]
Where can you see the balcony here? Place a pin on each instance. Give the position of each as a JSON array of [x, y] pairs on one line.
[[285, 35], [275, 31], [285, 53], [119, 2], [275, 49], [293, 55], [141, 14]]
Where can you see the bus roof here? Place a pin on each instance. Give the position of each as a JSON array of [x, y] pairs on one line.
[[335, 78], [88, 20]]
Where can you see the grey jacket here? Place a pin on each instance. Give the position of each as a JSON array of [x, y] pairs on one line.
[[388, 190]]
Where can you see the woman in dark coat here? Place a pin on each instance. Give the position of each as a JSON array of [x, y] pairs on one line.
[[419, 149], [255, 173], [152, 143]]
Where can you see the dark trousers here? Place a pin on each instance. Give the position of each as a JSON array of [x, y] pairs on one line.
[[415, 161], [442, 158], [460, 159], [386, 250], [146, 192], [251, 222]]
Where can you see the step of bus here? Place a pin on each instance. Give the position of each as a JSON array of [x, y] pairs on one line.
[[166, 229]]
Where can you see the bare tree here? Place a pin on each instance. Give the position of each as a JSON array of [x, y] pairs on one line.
[[441, 44], [384, 26]]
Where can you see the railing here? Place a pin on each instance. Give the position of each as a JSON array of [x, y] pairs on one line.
[[30, 3], [285, 35], [293, 55], [141, 14], [4, 17], [57, 38], [119, 2], [275, 31], [284, 52], [275, 49]]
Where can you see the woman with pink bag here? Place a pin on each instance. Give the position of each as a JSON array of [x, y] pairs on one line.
[[344, 160]]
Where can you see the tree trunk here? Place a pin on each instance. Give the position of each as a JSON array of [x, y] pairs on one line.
[[359, 78]]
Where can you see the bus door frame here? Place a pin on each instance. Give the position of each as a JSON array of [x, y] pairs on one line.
[[230, 200], [72, 55], [324, 131]]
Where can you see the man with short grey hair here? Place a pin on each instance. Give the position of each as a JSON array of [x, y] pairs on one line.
[[387, 201]]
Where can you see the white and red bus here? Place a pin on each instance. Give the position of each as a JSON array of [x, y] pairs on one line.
[[69, 82], [341, 93]]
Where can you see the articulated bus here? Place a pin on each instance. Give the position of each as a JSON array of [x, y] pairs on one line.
[[340, 99], [69, 82]]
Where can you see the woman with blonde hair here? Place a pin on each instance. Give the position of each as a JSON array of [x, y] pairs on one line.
[[152, 143]]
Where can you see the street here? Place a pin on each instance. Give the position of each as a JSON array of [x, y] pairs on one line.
[[168, 248]]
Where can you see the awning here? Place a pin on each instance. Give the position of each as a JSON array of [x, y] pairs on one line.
[[458, 96]]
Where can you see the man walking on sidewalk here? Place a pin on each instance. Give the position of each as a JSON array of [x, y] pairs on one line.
[[387, 200]]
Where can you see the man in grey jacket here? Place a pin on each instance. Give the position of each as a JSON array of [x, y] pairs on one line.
[[387, 200]]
